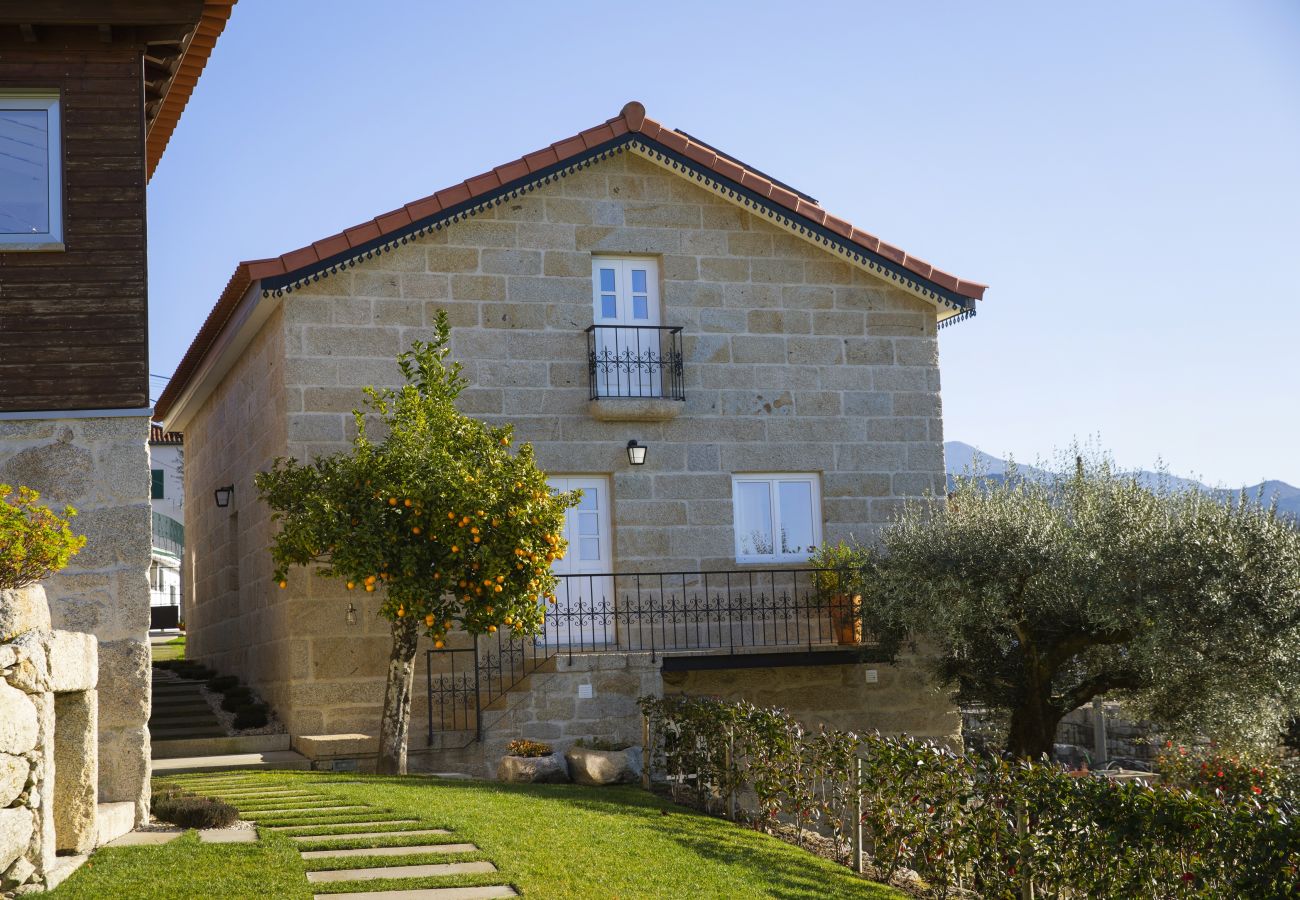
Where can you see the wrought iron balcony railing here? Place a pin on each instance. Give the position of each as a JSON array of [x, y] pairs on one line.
[[635, 361], [727, 612]]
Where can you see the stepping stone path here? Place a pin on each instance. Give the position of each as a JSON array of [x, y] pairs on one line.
[[289, 810]]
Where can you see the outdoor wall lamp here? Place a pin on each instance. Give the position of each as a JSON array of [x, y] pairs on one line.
[[223, 495], [636, 453], [351, 616]]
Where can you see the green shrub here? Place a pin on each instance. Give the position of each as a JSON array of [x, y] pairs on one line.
[[531, 749], [252, 715], [194, 812], [222, 683], [996, 826], [34, 540], [236, 698]]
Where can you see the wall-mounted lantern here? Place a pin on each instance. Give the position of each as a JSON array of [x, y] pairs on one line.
[[223, 495], [636, 453], [351, 616]]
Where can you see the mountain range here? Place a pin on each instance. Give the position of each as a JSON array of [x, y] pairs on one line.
[[963, 458]]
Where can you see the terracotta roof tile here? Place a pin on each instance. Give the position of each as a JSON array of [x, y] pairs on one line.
[[359, 234], [457, 193], [398, 218], [511, 170], [632, 119], [158, 436], [481, 184], [541, 159], [331, 245]]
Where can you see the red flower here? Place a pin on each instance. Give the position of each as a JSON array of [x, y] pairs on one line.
[[1257, 790], [1220, 773], [1188, 878]]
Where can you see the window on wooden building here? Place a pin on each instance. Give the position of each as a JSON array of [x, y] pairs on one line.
[[31, 173]]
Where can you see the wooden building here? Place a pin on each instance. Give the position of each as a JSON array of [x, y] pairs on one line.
[[90, 93]]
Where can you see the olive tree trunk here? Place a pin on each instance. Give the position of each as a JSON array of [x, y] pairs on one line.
[[1032, 730], [395, 729]]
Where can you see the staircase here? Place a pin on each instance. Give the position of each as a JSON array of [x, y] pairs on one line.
[[179, 712]]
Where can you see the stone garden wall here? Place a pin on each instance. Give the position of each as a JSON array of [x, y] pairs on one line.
[[48, 744], [100, 466]]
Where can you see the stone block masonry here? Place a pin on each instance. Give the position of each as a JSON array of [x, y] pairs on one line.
[[100, 465]]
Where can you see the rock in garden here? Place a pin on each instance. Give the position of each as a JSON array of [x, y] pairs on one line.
[[533, 769], [604, 766]]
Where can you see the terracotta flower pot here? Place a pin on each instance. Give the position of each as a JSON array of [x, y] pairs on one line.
[[846, 615]]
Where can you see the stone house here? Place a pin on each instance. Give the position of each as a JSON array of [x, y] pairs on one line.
[[167, 501], [731, 375], [90, 94]]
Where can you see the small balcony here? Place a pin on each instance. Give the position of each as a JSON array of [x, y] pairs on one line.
[[635, 372]]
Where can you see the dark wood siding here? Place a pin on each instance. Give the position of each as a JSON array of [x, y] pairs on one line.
[[74, 324]]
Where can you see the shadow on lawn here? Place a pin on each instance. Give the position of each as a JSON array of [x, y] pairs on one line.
[[786, 871]]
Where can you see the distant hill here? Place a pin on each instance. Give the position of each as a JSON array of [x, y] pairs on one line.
[[962, 458]]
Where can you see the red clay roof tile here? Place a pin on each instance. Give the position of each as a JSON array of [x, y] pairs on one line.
[[632, 118]]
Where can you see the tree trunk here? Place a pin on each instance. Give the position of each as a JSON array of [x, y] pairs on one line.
[[395, 729], [1032, 731]]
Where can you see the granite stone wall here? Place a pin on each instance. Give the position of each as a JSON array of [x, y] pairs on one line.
[[100, 466]]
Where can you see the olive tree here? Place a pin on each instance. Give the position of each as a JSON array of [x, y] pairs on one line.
[[439, 517], [1039, 594]]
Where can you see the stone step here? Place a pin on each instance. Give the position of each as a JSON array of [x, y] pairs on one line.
[[220, 746], [366, 835], [302, 812], [187, 718], [188, 733], [481, 867], [340, 825], [391, 851], [486, 892], [274, 759]]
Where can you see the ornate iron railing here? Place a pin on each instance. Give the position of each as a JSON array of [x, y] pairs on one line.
[[725, 611], [635, 361]]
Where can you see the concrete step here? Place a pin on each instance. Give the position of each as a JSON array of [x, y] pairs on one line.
[[187, 722], [273, 759], [356, 820], [114, 819], [390, 851], [482, 867], [487, 892], [219, 746], [188, 734]]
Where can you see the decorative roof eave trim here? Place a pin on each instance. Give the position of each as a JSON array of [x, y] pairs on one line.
[[948, 301]]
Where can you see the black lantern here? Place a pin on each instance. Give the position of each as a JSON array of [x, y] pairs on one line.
[[636, 453], [223, 495]]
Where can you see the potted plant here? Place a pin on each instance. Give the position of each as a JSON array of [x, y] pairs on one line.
[[532, 762], [836, 578], [597, 761]]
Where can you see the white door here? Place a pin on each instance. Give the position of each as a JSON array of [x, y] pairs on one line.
[[584, 607], [629, 352]]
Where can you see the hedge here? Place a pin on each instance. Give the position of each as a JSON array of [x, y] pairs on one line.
[[984, 824]]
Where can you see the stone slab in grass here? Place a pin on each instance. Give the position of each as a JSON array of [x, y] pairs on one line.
[[391, 851], [343, 823], [228, 836], [486, 892], [481, 867], [145, 838], [366, 835]]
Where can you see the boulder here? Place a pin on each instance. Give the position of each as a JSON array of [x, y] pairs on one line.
[[19, 873], [15, 834], [23, 609], [19, 724], [533, 769], [604, 766], [30, 671], [13, 777]]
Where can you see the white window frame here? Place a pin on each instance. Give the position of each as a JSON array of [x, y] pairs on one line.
[[773, 480], [52, 239]]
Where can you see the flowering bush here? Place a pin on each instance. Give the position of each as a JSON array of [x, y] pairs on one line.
[[1209, 771], [531, 749], [34, 540], [983, 824]]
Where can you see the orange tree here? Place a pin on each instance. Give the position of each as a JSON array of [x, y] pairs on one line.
[[439, 517]]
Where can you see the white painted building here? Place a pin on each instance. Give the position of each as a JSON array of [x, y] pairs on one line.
[[167, 493]]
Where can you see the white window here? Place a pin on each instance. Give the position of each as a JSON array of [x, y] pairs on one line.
[[778, 517], [31, 173], [629, 349]]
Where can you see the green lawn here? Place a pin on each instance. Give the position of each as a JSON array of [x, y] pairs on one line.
[[552, 842], [173, 649]]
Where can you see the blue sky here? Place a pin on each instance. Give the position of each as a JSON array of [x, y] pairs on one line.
[[1125, 176]]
